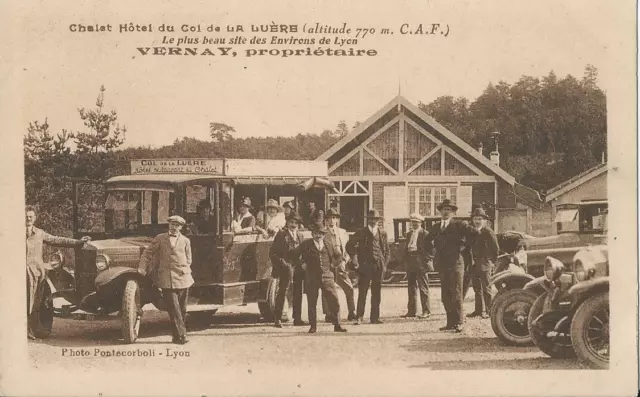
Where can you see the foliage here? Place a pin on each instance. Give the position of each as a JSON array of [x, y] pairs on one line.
[[50, 164], [221, 132], [550, 128]]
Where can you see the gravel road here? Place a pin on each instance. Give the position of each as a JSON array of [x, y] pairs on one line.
[[237, 338]]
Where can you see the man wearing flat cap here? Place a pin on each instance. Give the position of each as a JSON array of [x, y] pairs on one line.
[[320, 258], [168, 262], [339, 239], [484, 253], [418, 256], [287, 268], [369, 251], [449, 238]]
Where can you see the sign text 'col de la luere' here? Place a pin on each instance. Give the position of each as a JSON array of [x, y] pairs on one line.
[[178, 166]]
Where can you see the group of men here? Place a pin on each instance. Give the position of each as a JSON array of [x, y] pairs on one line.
[[322, 263], [317, 264]]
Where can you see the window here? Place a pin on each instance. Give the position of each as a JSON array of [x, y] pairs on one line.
[[128, 210], [425, 199]]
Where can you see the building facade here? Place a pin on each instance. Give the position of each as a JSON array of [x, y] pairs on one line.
[[400, 160], [590, 185]]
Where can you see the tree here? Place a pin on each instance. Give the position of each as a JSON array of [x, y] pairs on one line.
[[342, 130], [105, 134], [221, 132]]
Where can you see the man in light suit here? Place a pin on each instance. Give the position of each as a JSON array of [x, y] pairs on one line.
[[484, 251], [168, 262], [449, 236], [339, 239], [418, 256], [369, 251], [37, 268]]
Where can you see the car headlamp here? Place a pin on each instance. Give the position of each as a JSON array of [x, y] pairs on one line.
[[56, 259], [102, 262], [584, 263], [553, 268]]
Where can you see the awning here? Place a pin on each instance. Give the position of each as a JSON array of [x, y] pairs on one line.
[[303, 183], [565, 216]]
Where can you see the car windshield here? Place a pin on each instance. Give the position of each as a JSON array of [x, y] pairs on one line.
[[130, 210]]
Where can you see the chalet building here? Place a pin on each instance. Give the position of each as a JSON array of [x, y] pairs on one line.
[[400, 160]]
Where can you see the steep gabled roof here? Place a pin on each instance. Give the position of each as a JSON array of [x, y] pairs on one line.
[[450, 136], [575, 181]]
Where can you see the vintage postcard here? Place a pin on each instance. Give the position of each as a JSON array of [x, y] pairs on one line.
[[319, 198]]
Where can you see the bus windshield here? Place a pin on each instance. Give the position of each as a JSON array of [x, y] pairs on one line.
[[132, 209]]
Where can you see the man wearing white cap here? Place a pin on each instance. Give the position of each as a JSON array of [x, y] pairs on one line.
[[419, 253], [168, 262]]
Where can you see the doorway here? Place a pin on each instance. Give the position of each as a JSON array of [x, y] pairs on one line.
[[352, 212]]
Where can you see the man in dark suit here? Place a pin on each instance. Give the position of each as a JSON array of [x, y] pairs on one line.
[[449, 235], [484, 251], [369, 251], [286, 267], [320, 257], [418, 255]]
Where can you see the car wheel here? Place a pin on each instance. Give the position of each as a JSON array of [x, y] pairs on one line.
[[557, 345], [590, 331], [267, 308], [509, 313], [41, 318], [131, 314]]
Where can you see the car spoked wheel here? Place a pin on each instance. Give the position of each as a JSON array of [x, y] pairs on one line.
[[41, 319], [590, 331], [509, 314], [550, 331], [267, 308], [131, 311]]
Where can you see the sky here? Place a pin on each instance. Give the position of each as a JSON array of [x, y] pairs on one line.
[[160, 98]]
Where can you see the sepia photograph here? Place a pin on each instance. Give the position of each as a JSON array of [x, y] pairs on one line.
[[314, 199]]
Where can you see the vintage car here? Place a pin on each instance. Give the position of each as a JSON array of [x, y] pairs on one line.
[[571, 313], [228, 268], [579, 225]]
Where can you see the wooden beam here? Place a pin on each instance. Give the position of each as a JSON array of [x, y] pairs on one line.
[[423, 159], [401, 146], [442, 162], [381, 161], [422, 130], [463, 161], [451, 179], [367, 141]]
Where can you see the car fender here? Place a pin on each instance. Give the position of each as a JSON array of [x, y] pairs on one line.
[[511, 279], [537, 285], [112, 274], [596, 284]]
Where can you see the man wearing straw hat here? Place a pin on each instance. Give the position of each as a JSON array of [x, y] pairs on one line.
[[274, 219], [449, 238], [418, 256], [369, 251], [484, 252], [168, 262], [320, 257], [244, 222]]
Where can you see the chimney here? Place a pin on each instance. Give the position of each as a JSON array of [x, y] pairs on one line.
[[480, 148], [494, 156]]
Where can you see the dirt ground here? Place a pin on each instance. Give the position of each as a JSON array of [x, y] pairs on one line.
[[236, 337]]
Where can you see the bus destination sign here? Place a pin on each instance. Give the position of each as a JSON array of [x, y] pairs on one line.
[[177, 166]]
